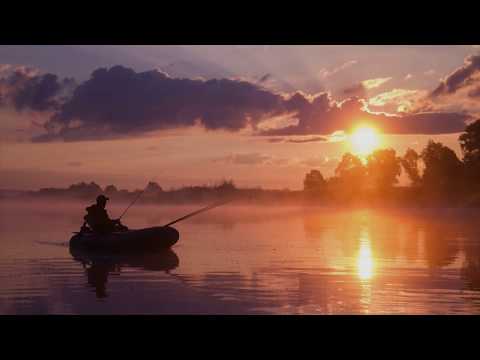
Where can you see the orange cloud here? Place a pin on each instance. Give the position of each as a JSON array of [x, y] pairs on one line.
[[374, 83], [399, 100]]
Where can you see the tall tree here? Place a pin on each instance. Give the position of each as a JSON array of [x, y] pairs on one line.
[[443, 174], [409, 163], [314, 182], [153, 188], [383, 168], [470, 144], [349, 182], [351, 169]]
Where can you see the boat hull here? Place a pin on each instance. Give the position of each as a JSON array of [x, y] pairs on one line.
[[149, 239]]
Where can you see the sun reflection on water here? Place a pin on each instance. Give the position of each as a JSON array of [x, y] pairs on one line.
[[365, 262]]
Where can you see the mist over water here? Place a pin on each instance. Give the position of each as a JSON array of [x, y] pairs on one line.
[[246, 260]]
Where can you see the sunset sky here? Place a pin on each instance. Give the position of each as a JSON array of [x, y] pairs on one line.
[[191, 115]]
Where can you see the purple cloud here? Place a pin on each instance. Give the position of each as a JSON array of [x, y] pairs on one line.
[[26, 90], [298, 140], [120, 102], [459, 78]]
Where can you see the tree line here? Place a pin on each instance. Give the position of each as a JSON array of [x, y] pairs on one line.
[[436, 176]]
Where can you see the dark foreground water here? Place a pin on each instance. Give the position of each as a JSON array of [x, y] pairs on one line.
[[244, 260]]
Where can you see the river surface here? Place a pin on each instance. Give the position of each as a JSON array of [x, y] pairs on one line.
[[247, 260]]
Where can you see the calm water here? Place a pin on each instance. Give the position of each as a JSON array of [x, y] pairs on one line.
[[244, 260]]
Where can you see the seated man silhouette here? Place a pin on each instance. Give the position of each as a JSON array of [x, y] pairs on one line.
[[99, 221]]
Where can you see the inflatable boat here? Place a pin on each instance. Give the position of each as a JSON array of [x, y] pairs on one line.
[[130, 241]]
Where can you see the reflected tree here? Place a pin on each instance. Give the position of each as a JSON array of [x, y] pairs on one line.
[[441, 248], [411, 242], [471, 270]]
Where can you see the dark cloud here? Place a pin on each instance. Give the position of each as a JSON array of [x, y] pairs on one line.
[[264, 78], [307, 140], [459, 78], [273, 82], [276, 140], [458, 92], [40, 93], [24, 89], [121, 102], [298, 140], [426, 123]]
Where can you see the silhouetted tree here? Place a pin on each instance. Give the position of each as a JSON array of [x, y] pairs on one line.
[[409, 163], [111, 189], [351, 169], [443, 174], [314, 183], [85, 190], [383, 168], [226, 188], [153, 188], [350, 179], [470, 144]]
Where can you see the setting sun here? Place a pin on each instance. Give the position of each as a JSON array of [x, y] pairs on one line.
[[364, 140]]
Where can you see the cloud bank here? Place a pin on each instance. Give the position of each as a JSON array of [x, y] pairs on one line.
[[464, 76], [325, 116], [457, 92], [119, 102], [24, 89]]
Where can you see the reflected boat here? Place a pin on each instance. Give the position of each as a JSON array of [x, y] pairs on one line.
[[99, 266], [164, 260]]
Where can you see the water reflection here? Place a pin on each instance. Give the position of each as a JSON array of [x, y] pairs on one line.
[[99, 267], [411, 256], [293, 261], [471, 269], [365, 258], [440, 248], [97, 277]]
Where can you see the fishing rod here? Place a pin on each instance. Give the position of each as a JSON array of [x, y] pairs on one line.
[[206, 208], [133, 202]]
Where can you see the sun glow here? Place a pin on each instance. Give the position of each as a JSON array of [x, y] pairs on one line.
[[364, 140]]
